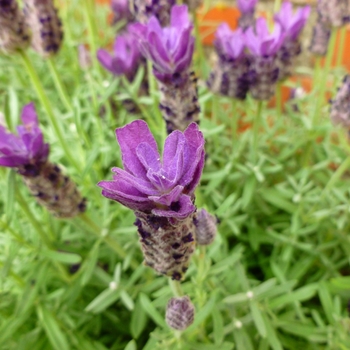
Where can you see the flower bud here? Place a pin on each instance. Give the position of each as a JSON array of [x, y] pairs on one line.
[[179, 313], [205, 227], [340, 105]]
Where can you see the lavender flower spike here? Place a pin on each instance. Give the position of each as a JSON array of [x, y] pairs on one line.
[[340, 105], [14, 33], [46, 26], [28, 153], [230, 75], [126, 57], [179, 313], [264, 69], [170, 50], [247, 9], [333, 13], [320, 39], [121, 11], [292, 25], [145, 9], [160, 192]]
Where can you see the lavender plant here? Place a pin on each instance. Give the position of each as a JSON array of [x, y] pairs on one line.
[[28, 154], [161, 193], [170, 50], [247, 18]]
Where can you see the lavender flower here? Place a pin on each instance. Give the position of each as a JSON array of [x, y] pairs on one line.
[[247, 8], [340, 105], [121, 11], [28, 153], [264, 69], [126, 57], [333, 13], [14, 33], [179, 313], [193, 4], [292, 25], [230, 75], [46, 27], [205, 227], [170, 50], [320, 39], [161, 193], [146, 9]]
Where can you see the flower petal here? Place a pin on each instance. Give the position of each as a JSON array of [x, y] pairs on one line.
[[179, 210]]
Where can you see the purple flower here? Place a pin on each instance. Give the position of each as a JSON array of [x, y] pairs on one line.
[[229, 43], [170, 49], [148, 184], [126, 58], [26, 149], [262, 43], [292, 24], [121, 10], [246, 6]]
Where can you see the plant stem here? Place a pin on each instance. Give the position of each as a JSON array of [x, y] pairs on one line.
[[343, 31], [277, 6], [256, 126], [337, 175], [234, 121], [176, 288], [48, 108], [324, 78], [59, 85], [279, 99]]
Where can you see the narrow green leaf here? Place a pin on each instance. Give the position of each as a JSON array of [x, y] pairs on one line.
[[89, 265], [258, 319], [152, 311], [127, 300], [52, 329], [131, 345], [326, 301], [248, 191], [218, 323], [10, 194], [63, 257], [138, 320], [103, 301], [274, 197]]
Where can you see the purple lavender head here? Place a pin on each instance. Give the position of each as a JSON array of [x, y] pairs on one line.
[[121, 10], [246, 6], [292, 24], [170, 49], [26, 149], [260, 42], [229, 43], [126, 57], [162, 187]]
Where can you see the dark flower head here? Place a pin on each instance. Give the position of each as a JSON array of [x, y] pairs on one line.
[[260, 42], [170, 49], [121, 9], [147, 183], [28, 147], [126, 57], [246, 6], [229, 43], [179, 313], [292, 24]]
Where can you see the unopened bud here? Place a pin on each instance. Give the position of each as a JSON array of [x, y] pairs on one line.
[[205, 227], [179, 313]]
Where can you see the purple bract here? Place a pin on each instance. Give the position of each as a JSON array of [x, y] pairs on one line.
[[126, 57], [262, 43], [160, 187], [28, 148], [292, 24], [170, 49], [121, 9], [229, 43], [246, 5]]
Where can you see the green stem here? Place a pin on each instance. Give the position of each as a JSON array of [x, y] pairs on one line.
[[35, 223], [277, 6], [111, 242], [343, 32], [234, 121], [48, 108], [324, 77], [176, 288], [279, 99], [59, 85], [256, 127]]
